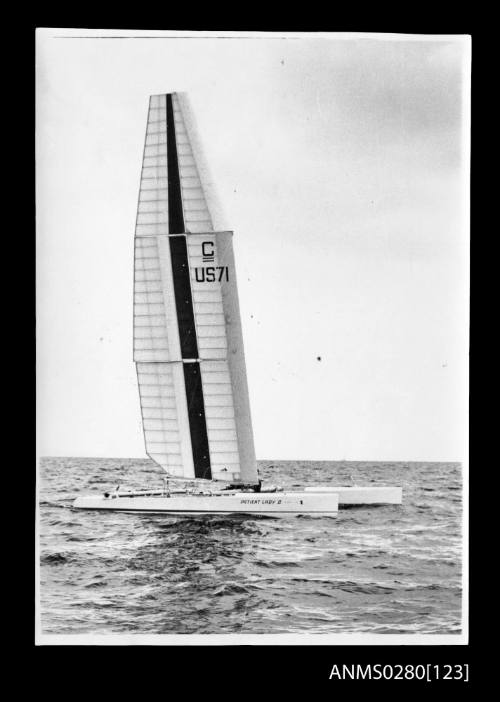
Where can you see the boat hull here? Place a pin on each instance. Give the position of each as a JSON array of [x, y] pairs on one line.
[[354, 495], [265, 504]]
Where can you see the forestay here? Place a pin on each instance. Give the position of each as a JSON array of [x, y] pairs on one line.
[[188, 344]]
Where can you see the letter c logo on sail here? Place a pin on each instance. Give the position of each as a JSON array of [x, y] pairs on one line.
[[207, 250]]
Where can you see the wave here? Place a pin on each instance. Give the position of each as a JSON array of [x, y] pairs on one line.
[[54, 559]]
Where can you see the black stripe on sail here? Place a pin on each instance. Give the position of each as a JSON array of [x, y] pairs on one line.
[[178, 247], [175, 214], [184, 307], [197, 422], [183, 296]]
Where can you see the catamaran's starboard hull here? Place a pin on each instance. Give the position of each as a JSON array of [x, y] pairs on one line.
[[355, 495], [269, 505]]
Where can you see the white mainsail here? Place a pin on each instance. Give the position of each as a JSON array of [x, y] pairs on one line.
[[188, 344]]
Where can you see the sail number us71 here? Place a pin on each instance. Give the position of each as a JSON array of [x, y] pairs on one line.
[[210, 274]]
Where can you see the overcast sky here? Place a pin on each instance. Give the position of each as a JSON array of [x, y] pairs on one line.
[[341, 166]]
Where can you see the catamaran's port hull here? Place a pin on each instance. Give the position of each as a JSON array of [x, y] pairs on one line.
[[361, 495], [268, 505]]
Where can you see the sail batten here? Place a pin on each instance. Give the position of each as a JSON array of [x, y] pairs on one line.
[[188, 345]]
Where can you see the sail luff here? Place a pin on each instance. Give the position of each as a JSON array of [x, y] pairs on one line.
[[184, 306], [175, 200]]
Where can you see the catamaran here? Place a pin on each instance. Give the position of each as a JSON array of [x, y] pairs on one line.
[[188, 351]]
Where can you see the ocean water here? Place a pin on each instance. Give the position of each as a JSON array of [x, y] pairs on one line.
[[384, 569]]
